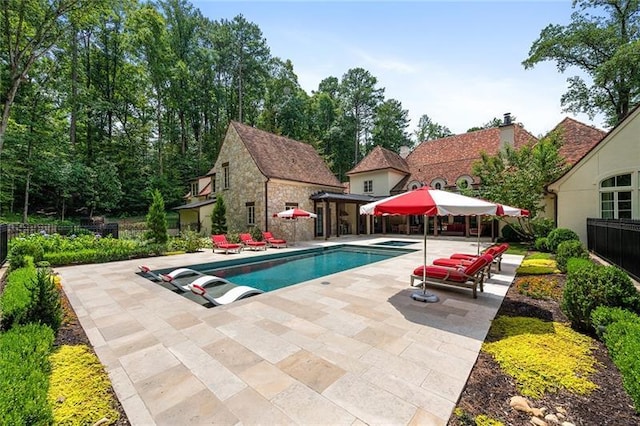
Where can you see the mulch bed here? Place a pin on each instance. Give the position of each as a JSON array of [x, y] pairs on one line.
[[488, 390]]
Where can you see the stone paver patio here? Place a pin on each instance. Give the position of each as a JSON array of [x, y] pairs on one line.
[[349, 348]]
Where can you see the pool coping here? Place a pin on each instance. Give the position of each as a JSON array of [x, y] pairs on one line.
[[350, 348]]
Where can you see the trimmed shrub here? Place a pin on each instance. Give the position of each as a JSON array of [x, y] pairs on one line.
[[567, 250], [589, 286], [620, 332], [24, 375], [16, 298], [559, 235], [21, 248], [541, 244]]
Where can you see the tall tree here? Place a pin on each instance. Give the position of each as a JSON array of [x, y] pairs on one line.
[[494, 122], [360, 98], [390, 124], [603, 41], [29, 30], [429, 130]]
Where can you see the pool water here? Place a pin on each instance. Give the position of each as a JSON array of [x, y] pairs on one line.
[[395, 243], [278, 271]]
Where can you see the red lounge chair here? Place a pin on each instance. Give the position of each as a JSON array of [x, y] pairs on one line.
[[497, 255], [471, 276], [249, 243], [220, 242], [463, 262], [273, 242]]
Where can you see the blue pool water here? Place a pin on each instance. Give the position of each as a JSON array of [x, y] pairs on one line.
[[271, 272], [395, 243]]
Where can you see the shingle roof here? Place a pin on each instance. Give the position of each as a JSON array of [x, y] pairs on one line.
[[452, 157], [577, 139], [379, 159], [283, 158]]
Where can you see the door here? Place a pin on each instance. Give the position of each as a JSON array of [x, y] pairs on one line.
[[319, 221]]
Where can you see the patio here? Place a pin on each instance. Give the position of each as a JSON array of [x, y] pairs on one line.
[[349, 348]]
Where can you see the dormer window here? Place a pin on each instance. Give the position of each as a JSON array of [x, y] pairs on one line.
[[438, 183], [464, 182], [368, 186], [414, 185]]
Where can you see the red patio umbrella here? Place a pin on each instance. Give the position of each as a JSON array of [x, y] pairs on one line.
[[426, 201], [294, 214]]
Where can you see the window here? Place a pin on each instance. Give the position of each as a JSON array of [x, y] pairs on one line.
[[288, 206], [194, 189], [225, 176], [438, 184], [213, 184], [368, 186], [464, 182], [615, 197], [251, 213]]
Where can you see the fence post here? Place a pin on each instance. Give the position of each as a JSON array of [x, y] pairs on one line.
[[4, 243]]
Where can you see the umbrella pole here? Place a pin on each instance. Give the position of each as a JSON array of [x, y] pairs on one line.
[[479, 227], [424, 296]]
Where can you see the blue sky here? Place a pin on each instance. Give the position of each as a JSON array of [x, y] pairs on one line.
[[459, 62]]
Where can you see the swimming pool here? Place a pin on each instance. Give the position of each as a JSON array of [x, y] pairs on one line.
[[274, 271]]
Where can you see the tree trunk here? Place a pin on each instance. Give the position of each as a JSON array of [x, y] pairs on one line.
[[74, 88]]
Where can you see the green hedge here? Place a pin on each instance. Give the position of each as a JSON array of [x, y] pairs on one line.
[[24, 375], [619, 329], [589, 285], [16, 297]]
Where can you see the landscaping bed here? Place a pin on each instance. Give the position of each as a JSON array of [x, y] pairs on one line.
[[489, 390]]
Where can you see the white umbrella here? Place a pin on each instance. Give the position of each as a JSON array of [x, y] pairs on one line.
[[294, 214], [426, 201]]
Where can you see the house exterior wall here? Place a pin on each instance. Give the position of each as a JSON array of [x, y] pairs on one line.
[[246, 184], [281, 193], [578, 191], [383, 181]]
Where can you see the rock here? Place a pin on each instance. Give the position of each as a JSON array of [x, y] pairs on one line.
[[537, 421], [519, 403], [552, 418], [538, 412], [561, 410], [102, 421], [567, 424]]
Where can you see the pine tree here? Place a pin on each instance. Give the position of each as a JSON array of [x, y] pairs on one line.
[[219, 217], [157, 220]]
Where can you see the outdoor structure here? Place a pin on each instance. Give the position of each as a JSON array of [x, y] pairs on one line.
[[195, 214], [257, 174], [604, 182]]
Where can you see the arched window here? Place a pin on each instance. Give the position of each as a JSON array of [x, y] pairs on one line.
[[464, 182], [615, 197], [438, 183]]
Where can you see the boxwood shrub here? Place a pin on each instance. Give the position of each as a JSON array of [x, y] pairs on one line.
[[16, 297], [589, 285], [24, 375], [559, 235], [568, 249]]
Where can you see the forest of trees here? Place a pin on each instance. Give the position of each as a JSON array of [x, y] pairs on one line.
[[105, 101]]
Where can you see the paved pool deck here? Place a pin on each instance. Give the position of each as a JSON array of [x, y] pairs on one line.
[[350, 348]]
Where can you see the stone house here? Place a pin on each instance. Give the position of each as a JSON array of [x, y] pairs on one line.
[[258, 174]]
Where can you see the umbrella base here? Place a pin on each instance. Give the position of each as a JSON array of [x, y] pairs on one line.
[[421, 296]]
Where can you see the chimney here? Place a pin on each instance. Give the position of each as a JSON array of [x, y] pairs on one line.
[[404, 151], [507, 131]]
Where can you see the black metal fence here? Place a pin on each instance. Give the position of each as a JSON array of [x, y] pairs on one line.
[[4, 242], [17, 229], [617, 241]]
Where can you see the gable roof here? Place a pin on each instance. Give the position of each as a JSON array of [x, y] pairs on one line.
[[633, 114], [283, 158], [577, 139], [451, 157], [379, 159]]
